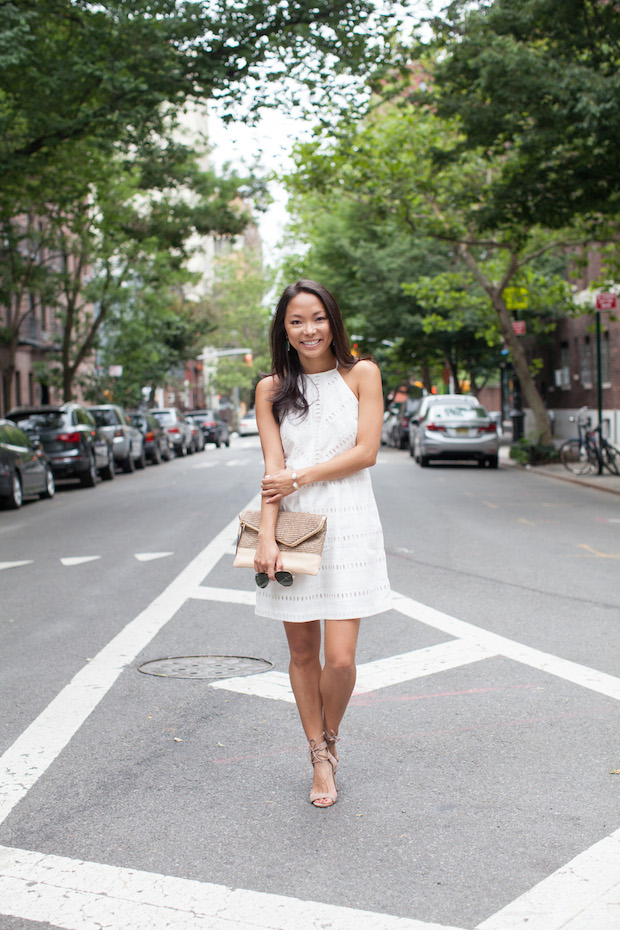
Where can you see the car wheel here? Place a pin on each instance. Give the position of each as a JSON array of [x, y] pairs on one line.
[[108, 473], [493, 461], [16, 496], [141, 461], [227, 443], [423, 461], [182, 450], [156, 460], [128, 464], [50, 485], [88, 478]]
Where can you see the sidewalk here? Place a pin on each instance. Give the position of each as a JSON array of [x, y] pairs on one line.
[[604, 482]]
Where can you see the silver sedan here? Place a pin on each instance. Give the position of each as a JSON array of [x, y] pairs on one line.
[[456, 432]]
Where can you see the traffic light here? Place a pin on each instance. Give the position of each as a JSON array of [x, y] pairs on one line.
[[248, 358]]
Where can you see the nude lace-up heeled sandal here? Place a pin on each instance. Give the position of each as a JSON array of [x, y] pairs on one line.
[[320, 753], [331, 739]]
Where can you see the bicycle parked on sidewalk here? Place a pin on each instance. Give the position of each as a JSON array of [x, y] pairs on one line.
[[591, 452]]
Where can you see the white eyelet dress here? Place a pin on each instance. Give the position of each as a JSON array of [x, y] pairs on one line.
[[352, 581]]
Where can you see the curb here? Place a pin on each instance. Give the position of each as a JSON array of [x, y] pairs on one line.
[[542, 471]]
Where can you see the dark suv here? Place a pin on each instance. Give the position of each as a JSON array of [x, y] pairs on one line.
[[214, 429], [72, 442]]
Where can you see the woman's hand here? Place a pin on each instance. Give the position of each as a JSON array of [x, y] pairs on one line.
[[268, 557], [280, 484]]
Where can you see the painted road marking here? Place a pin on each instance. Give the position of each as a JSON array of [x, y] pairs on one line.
[[583, 895], [60, 891], [31, 754], [68, 893], [4, 565], [481, 643], [79, 559], [371, 676], [500, 645], [599, 555], [149, 556]]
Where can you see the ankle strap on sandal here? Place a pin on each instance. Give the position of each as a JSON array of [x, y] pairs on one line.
[[318, 751]]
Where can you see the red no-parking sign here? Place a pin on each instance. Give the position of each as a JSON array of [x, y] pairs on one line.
[[606, 301]]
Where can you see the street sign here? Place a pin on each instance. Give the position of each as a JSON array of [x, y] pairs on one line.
[[516, 298], [518, 327], [606, 301]]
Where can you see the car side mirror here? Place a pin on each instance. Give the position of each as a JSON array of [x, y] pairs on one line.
[[415, 421]]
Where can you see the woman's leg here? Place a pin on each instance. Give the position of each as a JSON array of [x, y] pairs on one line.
[[338, 676], [304, 641]]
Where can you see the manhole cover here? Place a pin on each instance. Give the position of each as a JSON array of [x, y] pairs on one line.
[[205, 667]]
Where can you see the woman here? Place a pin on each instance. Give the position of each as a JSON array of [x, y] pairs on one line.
[[319, 418]]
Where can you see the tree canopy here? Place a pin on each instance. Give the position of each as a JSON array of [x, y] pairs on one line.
[[538, 83], [71, 69]]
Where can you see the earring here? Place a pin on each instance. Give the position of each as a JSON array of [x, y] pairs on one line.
[[288, 346]]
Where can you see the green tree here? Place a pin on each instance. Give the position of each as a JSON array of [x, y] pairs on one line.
[[73, 70], [390, 163], [240, 320], [541, 80], [364, 258], [94, 238]]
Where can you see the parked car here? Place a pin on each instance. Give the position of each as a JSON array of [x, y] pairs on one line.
[[24, 468], [127, 441], [156, 443], [456, 431], [247, 424], [426, 402], [179, 431], [389, 430], [199, 441], [213, 428], [72, 441], [395, 430]]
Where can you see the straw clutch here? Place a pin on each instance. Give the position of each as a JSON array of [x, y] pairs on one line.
[[300, 538]]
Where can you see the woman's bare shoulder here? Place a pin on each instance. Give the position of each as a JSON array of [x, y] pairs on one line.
[[266, 386], [366, 372]]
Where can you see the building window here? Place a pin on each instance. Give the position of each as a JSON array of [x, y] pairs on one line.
[[585, 359], [562, 374]]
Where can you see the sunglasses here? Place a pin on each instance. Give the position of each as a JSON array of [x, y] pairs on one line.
[[283, 578]]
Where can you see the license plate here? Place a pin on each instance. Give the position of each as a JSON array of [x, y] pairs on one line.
[[462, 429]]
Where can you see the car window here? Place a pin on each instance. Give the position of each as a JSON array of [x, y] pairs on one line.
[[83, 417], [445, 412], [163, 416], [105, 417], [12, 436], [47, 420]]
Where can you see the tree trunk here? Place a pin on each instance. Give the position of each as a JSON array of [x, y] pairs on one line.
[[517, 353], [522, 370]]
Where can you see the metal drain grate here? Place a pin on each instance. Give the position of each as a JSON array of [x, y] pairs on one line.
[[205, 667]]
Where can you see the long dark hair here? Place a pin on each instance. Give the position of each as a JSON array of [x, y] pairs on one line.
[[289, 394]]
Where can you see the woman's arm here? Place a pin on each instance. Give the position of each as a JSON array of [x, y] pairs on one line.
[[365, 381], [268, 557]]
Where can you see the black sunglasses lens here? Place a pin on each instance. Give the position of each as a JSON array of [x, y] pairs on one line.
[[261, 579], [284, 578]]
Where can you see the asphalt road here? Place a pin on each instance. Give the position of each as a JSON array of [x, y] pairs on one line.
[[475, 780]]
